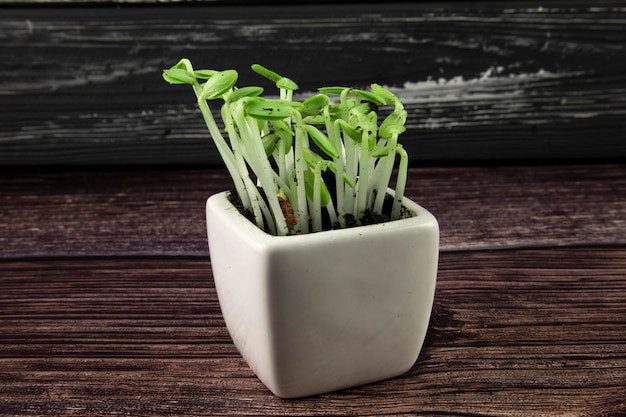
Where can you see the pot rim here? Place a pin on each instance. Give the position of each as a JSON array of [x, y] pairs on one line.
[[420, 218]]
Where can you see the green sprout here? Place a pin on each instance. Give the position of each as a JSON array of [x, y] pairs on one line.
[[303, 166]]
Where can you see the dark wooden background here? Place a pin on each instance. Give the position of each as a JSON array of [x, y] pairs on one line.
[[80, 82]]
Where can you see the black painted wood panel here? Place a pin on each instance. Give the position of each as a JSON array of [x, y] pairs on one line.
[[81, 84]]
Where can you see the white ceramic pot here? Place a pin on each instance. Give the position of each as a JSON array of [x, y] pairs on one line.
[[324, 311]]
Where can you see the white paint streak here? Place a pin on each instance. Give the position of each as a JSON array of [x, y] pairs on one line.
[[95, 74], [491, 98]]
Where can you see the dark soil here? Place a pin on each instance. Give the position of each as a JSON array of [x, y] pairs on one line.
[[235, 200], [369, 216]]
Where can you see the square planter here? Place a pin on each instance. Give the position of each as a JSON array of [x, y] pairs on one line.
[[329, 310]]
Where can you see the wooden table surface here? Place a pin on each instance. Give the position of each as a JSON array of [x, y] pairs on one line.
[[107, 304]]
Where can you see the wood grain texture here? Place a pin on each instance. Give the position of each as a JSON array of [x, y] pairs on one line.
[[514, 333], [107, 305], [161, 213], [497, 80]]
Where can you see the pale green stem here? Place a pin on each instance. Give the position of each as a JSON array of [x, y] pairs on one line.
[[286, 157], [316, 207], [225, 152], [332, 214], [350, 156], [362, 185], [236, 145], [301, 143], [280, 183], [400, 182], [335, 137], [316, 210], [251, 137], [286, 94], [266, 213], [378, 166], [351, 169], [280, 158], [385, 174], [289, 161], [292, 194]]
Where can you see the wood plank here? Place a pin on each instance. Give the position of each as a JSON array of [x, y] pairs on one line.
[[161, 212], [513, 333], [496, 80]]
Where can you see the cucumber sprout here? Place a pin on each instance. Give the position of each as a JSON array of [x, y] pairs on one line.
[[303, 167]]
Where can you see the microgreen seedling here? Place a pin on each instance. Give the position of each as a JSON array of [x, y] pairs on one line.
[[280, 151]]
